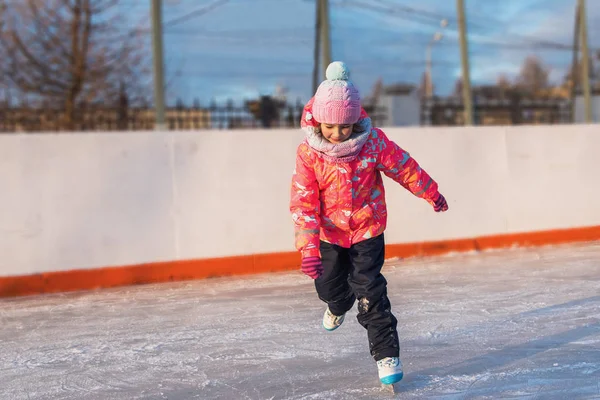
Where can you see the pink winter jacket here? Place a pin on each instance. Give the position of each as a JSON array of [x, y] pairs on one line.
[[343, 202]]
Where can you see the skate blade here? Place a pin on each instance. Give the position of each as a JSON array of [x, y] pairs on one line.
[[391, 388]]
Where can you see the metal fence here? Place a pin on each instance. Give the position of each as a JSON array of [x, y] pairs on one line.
[[250, 115], [505, 111], [225, 116]]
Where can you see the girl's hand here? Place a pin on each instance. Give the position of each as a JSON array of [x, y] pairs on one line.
[[312, 267], [439, 203]]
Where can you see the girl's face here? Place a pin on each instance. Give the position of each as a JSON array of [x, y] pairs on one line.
[[336, 133]]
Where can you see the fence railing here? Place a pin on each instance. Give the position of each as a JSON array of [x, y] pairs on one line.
[[506, 111], [224, 116], [105, 119]]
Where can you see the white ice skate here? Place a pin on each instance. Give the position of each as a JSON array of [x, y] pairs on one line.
[[332, 322], [390, 370]]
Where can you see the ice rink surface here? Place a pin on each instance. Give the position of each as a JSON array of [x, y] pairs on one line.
[[510, 324]]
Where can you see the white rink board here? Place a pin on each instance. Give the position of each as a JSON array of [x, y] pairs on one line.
[[88, 200]]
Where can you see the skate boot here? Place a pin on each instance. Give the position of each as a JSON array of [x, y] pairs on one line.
[[390, 370], [332, 322]]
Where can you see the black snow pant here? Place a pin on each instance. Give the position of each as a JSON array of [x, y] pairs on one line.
[[355, 273]]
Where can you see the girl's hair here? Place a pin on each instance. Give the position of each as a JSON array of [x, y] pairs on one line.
[[356, 128]]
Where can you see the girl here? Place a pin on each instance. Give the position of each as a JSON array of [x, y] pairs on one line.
[[339, 211]]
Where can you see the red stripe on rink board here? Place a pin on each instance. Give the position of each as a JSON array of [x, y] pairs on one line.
[[75, 280]]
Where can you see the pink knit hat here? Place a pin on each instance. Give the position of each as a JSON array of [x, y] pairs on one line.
[[337, 100]]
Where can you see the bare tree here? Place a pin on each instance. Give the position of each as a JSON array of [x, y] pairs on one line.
[[503, 82], [504, 85], [534, 75], [70, 53], [458, 88], [377, 91]]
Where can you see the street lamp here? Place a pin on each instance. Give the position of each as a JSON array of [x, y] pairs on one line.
[[436, 38]]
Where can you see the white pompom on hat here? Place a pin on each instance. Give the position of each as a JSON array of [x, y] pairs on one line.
[[337, 101]]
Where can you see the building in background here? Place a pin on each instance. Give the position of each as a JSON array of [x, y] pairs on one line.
[[397, 105], [579, 108]]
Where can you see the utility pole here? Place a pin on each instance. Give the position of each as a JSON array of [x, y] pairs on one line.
[[317, 49], [575, 63], [325, 34], [464, 55], [159, 78], [585, 61], [429, 80]]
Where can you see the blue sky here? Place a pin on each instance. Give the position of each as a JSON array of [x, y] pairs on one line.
[[244, 48]]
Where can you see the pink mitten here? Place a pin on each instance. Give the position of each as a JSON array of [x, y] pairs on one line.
[[439, 203], [312, 267]]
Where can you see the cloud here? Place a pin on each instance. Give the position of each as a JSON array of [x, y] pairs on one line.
[[245, 47]]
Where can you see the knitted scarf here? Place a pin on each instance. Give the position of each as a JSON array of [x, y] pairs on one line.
[[343, 152]]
